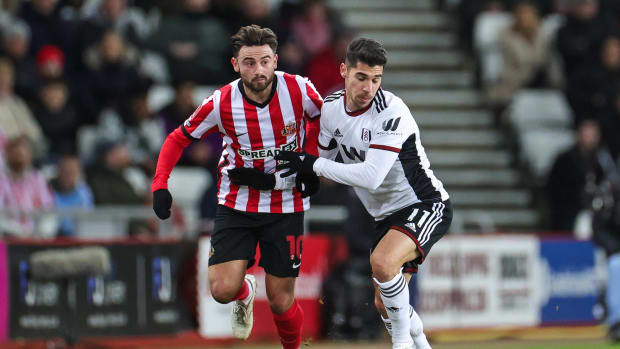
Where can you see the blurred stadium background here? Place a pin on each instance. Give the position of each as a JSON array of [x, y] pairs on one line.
[[519, 109]]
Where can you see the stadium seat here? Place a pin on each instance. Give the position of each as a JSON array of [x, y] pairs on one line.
[[539, 148], [486, 42], [539, 109], [188, 185]]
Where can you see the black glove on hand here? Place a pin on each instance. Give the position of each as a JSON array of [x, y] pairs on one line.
[[311, 184], [162, 201], [252, 178], [295, 163]]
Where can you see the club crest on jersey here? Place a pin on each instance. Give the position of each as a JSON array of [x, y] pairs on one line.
[[289, 129], [259, 154], [365, 135]]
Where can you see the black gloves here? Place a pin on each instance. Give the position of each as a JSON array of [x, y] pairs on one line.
[[162, 201], [307, 184], [252, 177], [295, 163]]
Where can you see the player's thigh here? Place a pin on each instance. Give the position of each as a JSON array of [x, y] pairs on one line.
[[281, 244], [394, 248]]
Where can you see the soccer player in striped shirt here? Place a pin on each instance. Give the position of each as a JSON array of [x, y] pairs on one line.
[[259, 115], [369, 140]]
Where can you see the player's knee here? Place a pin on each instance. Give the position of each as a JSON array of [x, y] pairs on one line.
[[222, 291], [281, 303], [384, 268]]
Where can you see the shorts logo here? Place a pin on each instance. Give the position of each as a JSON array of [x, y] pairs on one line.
[[365, 135], [296, 265], [267, 153], [211, 252], [411, 226], [289, 129]]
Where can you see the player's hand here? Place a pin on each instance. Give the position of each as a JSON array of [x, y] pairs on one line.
[[162, 201], [295, 163], [252, 178], [307, 184]]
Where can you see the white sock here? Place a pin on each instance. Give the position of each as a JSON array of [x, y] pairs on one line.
[[417, 329], [395, 297], [246, 300]]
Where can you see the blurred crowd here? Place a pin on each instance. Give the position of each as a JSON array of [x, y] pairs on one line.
[[572, 46], [568, 45], [78, 124]]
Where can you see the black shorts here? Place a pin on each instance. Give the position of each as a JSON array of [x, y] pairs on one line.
[[424, 222], [279, 236]]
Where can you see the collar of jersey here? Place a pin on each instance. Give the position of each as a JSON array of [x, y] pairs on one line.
[[357, 112], [274, 87]]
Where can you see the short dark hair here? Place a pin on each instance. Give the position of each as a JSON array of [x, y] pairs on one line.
[[253, 35], [367, 51]]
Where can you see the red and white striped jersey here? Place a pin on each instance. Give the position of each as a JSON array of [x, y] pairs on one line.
[[253, 134]]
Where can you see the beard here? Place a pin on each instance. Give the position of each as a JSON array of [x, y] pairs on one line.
[[257, 86]]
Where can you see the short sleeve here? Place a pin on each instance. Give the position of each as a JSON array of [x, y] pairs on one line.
[[204, 120]]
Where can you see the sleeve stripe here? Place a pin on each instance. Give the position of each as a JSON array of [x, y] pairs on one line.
[[384, 147], [187, 134]]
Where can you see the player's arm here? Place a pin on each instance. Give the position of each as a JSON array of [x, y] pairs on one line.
[[368, 174], [201, 123], [312, 103]]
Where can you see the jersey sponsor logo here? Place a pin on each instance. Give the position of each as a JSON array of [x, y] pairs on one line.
[[337, 133], [353, 153], [365, 135], [267, 153], [289, 129], [391, 125]]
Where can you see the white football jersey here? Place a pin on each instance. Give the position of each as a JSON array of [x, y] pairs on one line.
[[386, 125]]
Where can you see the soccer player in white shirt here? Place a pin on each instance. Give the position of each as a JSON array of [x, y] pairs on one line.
[[369, 140]]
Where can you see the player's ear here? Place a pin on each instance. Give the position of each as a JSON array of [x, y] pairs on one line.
[[275, 61], [235, 64], [343, 70]]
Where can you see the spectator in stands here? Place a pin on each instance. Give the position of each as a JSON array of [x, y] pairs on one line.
[[15, 117], [113, 69], [580, 39], [468, 11], [175, 113], [591, 90], [70, 191], [324, 68], [195, 44], [106, 177], [58, 118], [527, 58], [48, 28], [22, 187], [314, 28], [134, 124], [130, 23], [15, 43], [574, 177]]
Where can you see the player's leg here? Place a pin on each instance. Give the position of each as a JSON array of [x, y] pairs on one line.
[[393, 250], [233, 246], [281, 244], [417, 328], [287, 314]]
